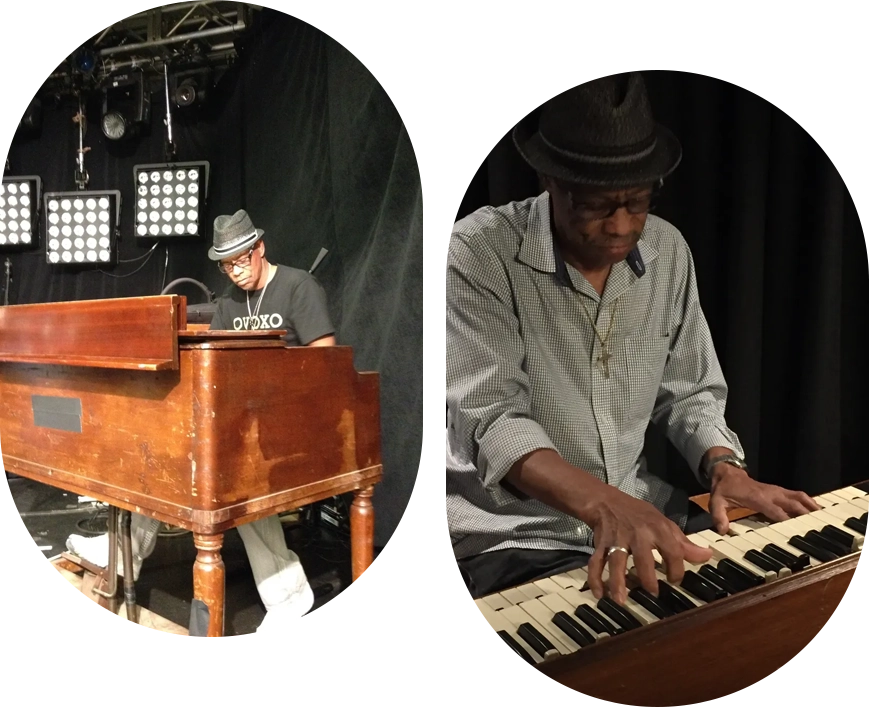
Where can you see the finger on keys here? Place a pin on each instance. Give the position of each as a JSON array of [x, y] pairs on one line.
[[618, 570], [644, 564], [693, 553], [595, 572], [806, 501], [718, 511]]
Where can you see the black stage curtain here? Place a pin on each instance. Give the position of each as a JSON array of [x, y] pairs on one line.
[[301, 135], [782, 274]]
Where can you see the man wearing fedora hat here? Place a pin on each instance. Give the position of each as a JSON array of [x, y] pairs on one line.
[[293, 298], [573, 320], [297, 303]]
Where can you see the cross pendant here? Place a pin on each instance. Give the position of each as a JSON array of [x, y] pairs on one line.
[[604, 360]]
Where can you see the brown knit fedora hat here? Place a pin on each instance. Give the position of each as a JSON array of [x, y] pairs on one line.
[[601, 133]]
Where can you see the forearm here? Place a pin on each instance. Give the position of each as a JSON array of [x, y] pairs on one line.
[[545, 476]]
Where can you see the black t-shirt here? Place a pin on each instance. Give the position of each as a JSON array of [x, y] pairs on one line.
[[294, 301]]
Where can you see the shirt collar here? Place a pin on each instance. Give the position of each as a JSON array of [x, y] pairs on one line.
[[538, 251]]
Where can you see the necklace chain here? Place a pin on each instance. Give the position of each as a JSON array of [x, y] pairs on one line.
[[605, 355], [262, 294]]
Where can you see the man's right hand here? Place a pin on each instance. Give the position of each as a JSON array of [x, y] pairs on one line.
[[620, 520]]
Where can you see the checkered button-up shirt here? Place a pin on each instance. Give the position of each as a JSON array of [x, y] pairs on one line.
[[523, 373]]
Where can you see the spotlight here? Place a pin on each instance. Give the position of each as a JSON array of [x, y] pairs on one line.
[[190, 87], [85, 60], [126, 106], [170, 198], [81, 227], [19, 208]]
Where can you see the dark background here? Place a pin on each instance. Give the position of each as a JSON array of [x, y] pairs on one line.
[[782, 274], [305, 139], [303, 134]]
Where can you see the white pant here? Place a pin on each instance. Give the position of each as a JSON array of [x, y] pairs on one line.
[[277, 571]]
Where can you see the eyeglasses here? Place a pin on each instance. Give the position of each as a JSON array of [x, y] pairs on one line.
[[242, 262], [598, 209]]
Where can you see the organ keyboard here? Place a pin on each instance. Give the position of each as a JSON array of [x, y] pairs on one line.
[[656, 650]]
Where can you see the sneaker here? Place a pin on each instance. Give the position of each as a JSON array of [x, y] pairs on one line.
[[280, 618], [96, 551]]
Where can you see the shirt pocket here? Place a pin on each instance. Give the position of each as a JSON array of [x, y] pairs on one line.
[[645, 360]]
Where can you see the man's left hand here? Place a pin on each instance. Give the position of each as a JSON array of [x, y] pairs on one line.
[[734, 488]]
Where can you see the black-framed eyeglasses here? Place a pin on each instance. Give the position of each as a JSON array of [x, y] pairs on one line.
[[242, 262], [591, 209]]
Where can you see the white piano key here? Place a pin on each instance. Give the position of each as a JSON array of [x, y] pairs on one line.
[[547, 586], [565, 582], [514, 595], [848, 493], [861, 502], [531, 590], [843, 511], [496, 601]]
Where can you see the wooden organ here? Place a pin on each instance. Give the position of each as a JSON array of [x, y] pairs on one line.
[[116, 399]]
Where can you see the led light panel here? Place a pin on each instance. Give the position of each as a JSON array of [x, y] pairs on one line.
[[19, 212], [81, 227], [170, 199]]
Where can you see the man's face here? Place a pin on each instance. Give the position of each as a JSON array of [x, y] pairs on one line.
[[245, 270], [598, 227]]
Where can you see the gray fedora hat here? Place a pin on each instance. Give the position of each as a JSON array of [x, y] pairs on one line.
[[601, 133], [233, 235]]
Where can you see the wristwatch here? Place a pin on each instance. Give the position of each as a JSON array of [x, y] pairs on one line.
[[732, 459]]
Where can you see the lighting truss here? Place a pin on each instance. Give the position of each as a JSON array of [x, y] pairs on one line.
[[184, 34], [19, 212], [81, 227], [170, 199]]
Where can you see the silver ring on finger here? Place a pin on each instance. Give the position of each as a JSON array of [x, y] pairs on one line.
[[616, 548]]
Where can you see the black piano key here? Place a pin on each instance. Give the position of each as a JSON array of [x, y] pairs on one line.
[[619, 614], [736, 575], [864, 519], [855, 524], [596, 621], [516, 646], [648, 602], [535, 639], [696, 586], [673, 599], [813, 536], [788, 559], [839, 535], [765, 562], [810, 548], [576, 632], [751, 578], [712, 575]]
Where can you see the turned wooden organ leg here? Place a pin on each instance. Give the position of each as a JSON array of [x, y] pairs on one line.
[[209, 579], [361, 531]]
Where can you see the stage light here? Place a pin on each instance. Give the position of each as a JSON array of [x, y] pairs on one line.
[[190, 87], [170, 199], [126, 106], [19, 212], [81, 227], [85, 60]]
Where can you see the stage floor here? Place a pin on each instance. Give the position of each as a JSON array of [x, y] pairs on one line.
[[165, 585]]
